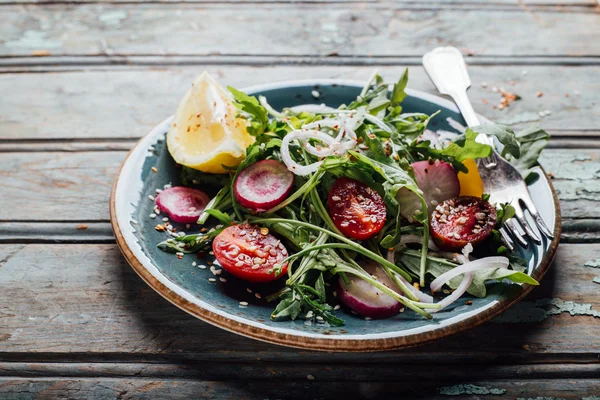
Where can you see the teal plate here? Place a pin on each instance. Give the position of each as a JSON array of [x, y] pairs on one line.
[[218, 303]]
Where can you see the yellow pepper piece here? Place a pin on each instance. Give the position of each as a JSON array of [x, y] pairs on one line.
[[470, 183]]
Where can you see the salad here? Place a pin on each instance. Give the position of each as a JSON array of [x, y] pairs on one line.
[[358, 208]]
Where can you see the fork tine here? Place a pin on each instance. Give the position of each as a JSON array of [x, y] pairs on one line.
[[520, 217], [536, 217], [513, 228], [507, 240]]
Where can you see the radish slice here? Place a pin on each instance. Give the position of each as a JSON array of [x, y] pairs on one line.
[[482, 263], [182, 204], [364, 298], [438, 181], [263, 185]]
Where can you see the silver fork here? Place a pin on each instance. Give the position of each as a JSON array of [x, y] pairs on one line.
[[447, 69]]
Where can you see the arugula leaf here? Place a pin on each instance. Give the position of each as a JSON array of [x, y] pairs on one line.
[[252, 110], [504, 134], [398, 93], [465, 147], [221, 216], [532, 141]]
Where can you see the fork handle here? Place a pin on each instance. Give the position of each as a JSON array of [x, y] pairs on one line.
[[466, 109]]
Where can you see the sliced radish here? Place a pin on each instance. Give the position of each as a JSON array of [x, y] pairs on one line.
[[364, 298], [182, 204], [438, 181], [263, 185]]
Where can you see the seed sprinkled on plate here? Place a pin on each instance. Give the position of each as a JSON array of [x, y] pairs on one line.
[[212, 280], [151, 197], [243, 304]]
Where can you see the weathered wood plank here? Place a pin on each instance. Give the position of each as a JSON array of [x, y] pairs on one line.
[[130, 388], [573, 231], [83, 303], [428, 3], [75, 186], [347, 29], [127, 103]]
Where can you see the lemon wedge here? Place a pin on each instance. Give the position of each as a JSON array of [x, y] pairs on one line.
[[205, 133], [470, 183]]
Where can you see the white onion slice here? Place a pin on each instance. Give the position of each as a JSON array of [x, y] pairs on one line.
[[460, 290], [313, 108], [482, 263], [292, 165]]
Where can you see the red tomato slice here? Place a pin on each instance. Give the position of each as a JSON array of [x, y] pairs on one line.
[[357, 210], [462, 220], [250, 253]]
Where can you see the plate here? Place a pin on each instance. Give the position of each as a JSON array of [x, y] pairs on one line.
[[187, 286]]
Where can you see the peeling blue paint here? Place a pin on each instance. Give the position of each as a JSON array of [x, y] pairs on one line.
[[539, 310], [593, 263], [596, 279], [458, 390]]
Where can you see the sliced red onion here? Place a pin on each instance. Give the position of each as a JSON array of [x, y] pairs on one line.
[[425, 298], [482, 263]]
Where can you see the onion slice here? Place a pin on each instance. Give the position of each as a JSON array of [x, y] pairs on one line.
[[460, 290], [482, 263]]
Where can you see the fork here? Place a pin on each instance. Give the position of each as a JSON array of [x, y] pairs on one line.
[[447, 69]]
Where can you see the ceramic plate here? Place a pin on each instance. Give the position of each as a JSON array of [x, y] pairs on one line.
[[188, 287]]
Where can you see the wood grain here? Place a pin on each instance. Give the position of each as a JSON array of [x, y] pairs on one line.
[[299, 29], [75, 186], [109, 315], [131, 388], [127, 103]]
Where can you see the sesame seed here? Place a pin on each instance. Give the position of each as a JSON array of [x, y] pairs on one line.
[[239, 264], [461, 220], [434, 202], [257, 295], [337, 307], [212, 280], [187, 226], [334, 293], [165, 219], [152, 215], [366, 219], [243, 304], [223, 279], [255, 267], [151, 197], [310, 377], [202, 266], [309, 314], [248, 290], [154, 169], [194, 263], [175, 234], [264, 231], [335, 198], [319, 318], [368, 318], [315, 94], [179, 253], [480, 215]]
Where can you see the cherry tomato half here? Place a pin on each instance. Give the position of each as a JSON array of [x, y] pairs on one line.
[[357, 210], [250, 253], [462, 220]]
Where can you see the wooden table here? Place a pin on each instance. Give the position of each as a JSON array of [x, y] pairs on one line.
[[81, 80]]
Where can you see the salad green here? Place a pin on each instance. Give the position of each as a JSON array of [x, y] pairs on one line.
[[372, 141]]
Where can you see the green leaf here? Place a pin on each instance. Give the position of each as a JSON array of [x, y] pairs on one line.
[[466, 147], [398, 93], [320, 287], [252, 110], [504, 134], [221, 216], [532, 141], [288, 308]]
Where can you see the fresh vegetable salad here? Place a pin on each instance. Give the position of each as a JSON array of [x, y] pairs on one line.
[[356, 209]]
